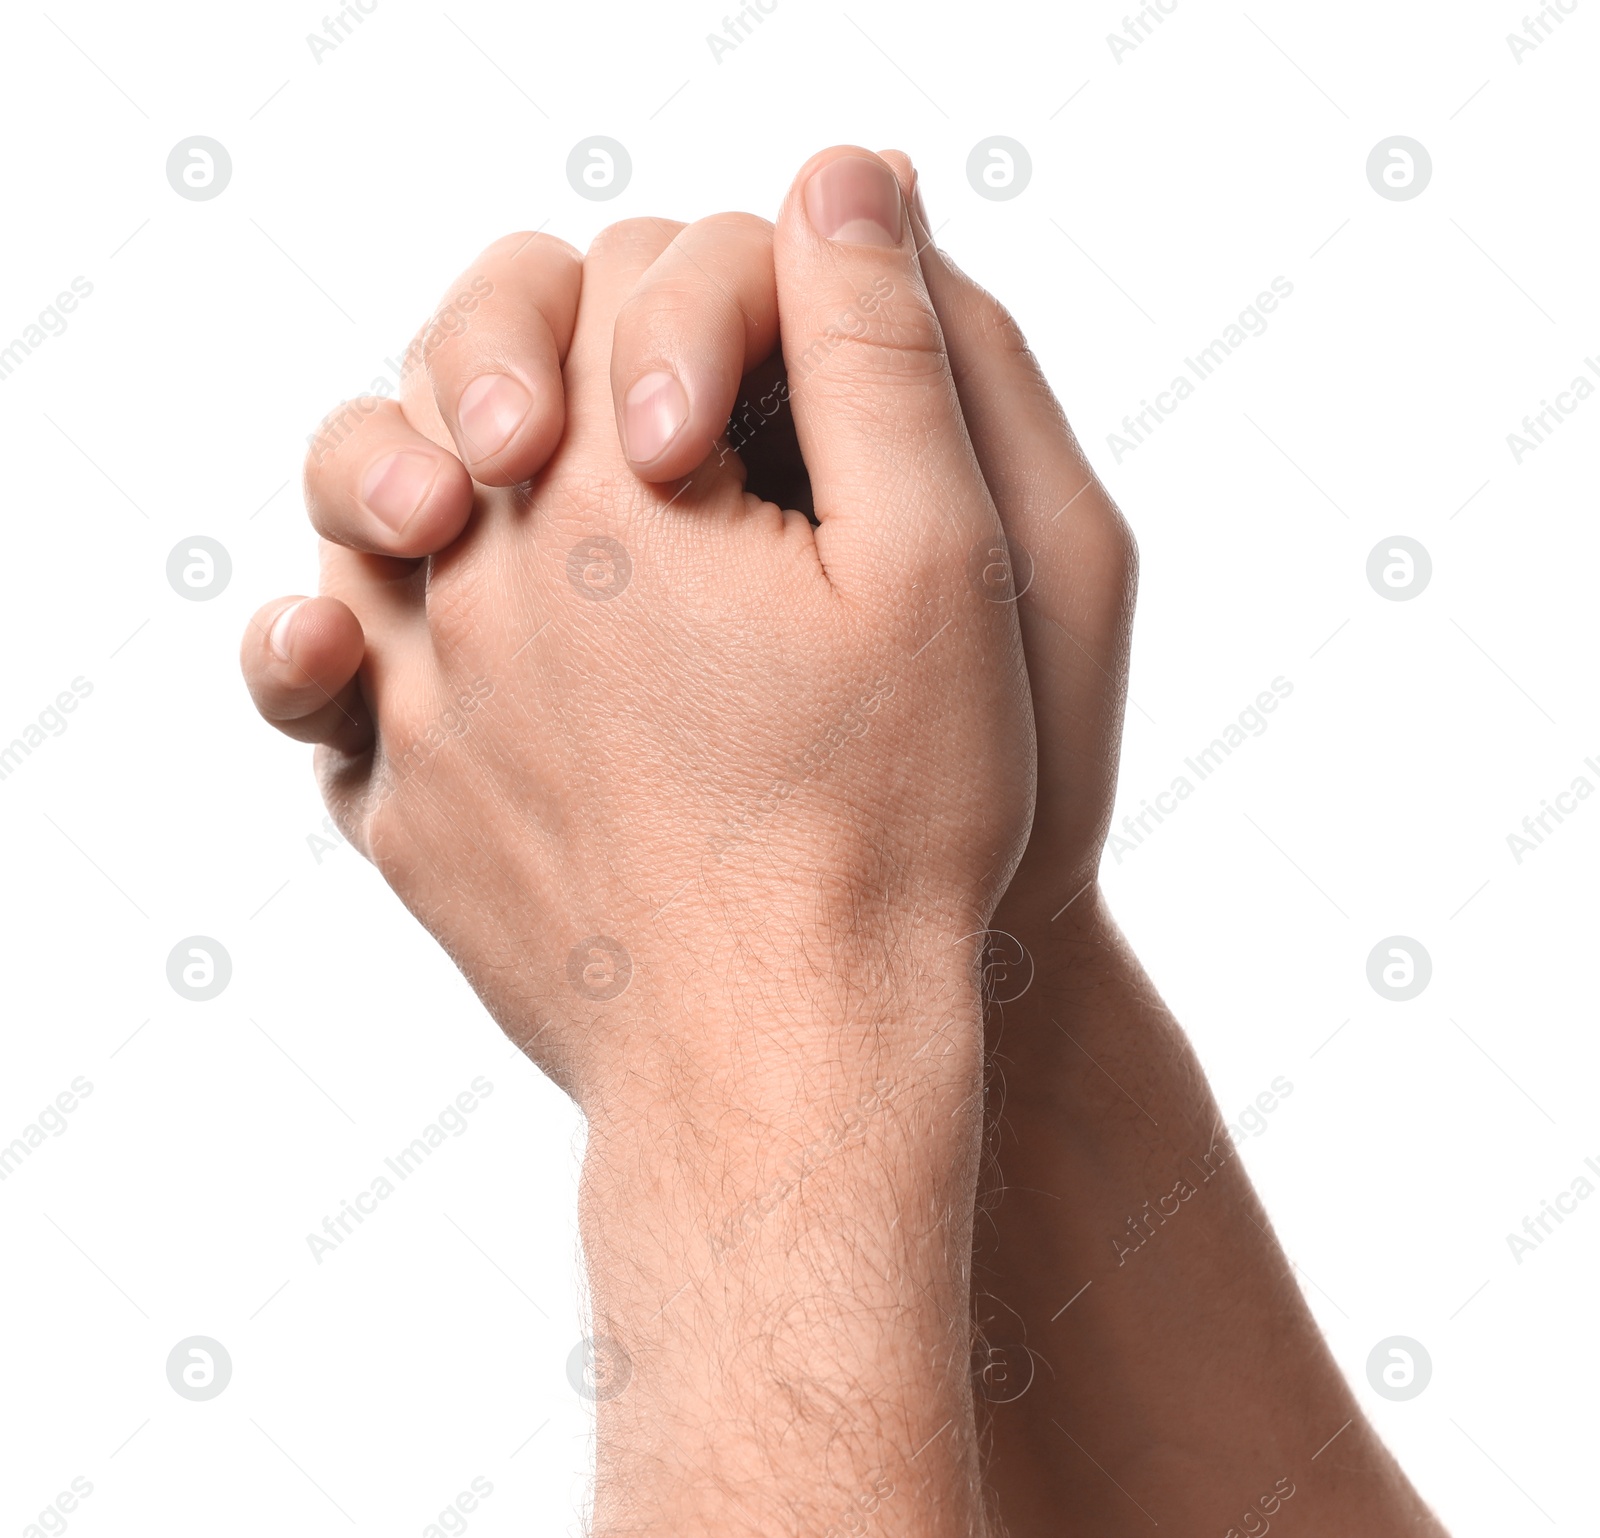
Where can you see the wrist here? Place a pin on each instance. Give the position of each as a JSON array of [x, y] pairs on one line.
[[1080, 998], [757, 1038], [1057, 943], [873, 1104], [786, 1244]]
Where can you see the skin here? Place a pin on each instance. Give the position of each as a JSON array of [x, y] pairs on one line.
[[1188, 1384], [667, 771], [803, 969]]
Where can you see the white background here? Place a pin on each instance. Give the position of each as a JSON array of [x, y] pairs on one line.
[[1173, 185]]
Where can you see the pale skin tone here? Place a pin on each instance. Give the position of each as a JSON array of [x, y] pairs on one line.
[[572, 682]]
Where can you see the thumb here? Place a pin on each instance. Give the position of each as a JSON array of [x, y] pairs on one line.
[[897, 489]]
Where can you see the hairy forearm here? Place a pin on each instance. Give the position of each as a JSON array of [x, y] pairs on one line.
[[779, 1250], [1176, 1373]]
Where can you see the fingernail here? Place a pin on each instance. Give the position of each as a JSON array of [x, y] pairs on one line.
[[653, 410], [855, 200], [396, 486], [278, 636], [490, 410]]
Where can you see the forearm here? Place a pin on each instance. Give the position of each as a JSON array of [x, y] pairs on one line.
[[779, 1258], [1179, 1376]]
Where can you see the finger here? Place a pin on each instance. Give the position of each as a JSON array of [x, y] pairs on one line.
[[300, 657], [492, 353], [1048, 497], [1030, 456], [374, 483], [1071, 548], [618, 258], [704, 312], [897, 488]]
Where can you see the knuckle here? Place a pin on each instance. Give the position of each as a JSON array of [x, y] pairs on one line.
[[1109, 548], [736, 226], [463, 597], [991, 331], [452, 601], [894, 345], [492, 295], [997, 327], [630, 237], [1106, 547], [669, 295], [439, 335], [451, 320], [339, 428], [1125, 547], [684, 303], [520, 245]]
